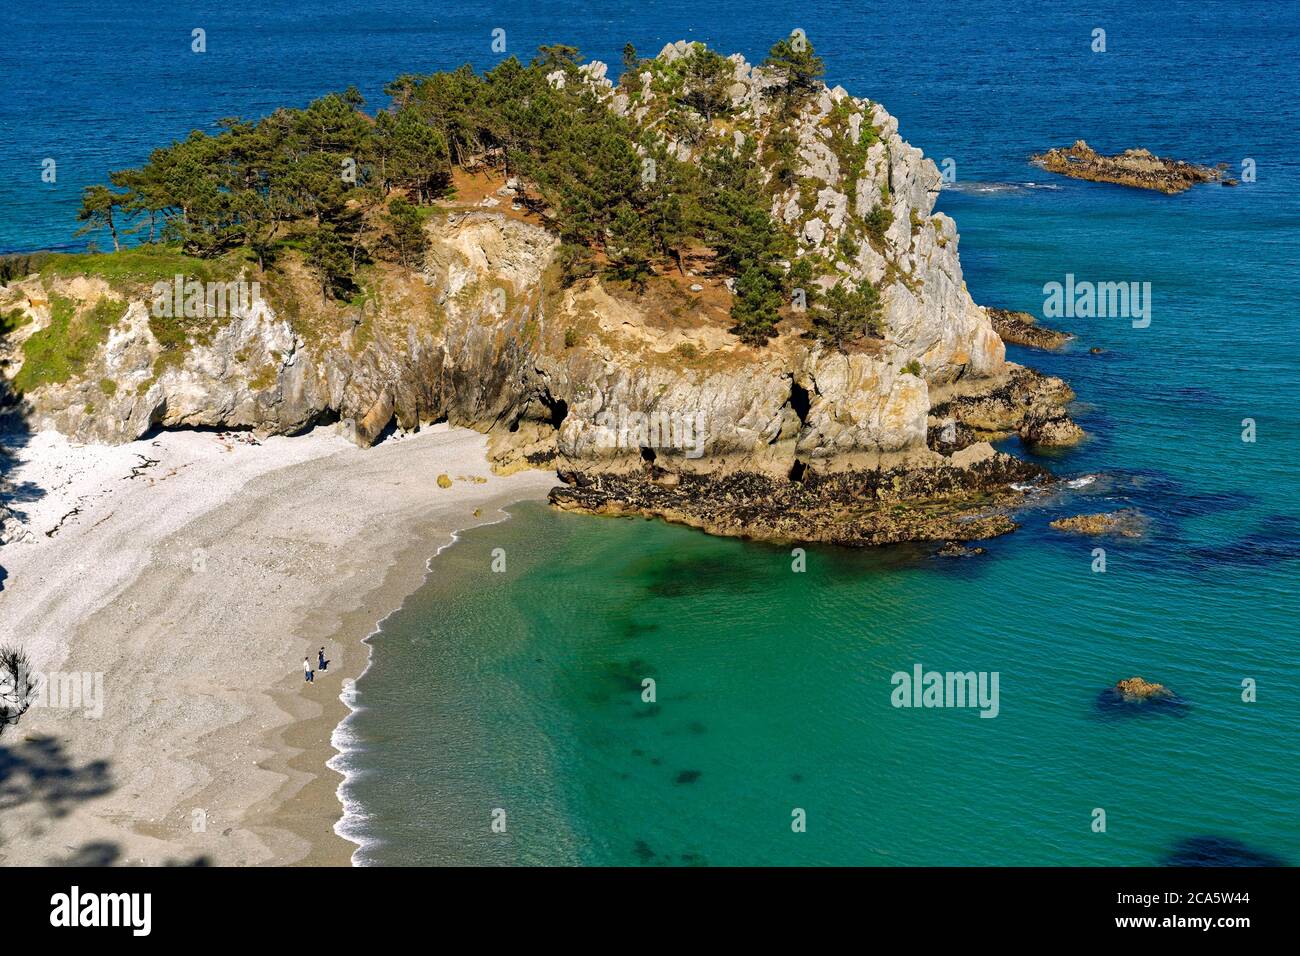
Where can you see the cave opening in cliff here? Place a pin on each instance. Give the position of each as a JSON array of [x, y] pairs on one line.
[[798, 470], [800, 401], [558, 408]]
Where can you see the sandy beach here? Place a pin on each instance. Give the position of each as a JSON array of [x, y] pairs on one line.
[[176, 583]]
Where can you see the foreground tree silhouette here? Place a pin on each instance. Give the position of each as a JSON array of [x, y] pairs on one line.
[[17, 688]]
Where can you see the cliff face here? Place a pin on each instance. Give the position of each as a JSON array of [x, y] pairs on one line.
[[591, 377]]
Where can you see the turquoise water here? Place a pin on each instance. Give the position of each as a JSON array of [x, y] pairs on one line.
[[521, 690]]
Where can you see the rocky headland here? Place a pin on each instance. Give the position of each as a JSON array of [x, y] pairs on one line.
[[637, 393], [1139, 168]]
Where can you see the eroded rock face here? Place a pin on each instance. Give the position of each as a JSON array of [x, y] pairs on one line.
[[449, 342], [1138, 168], [1020, 402]]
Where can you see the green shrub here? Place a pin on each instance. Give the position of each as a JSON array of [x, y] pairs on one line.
[[64, 347]]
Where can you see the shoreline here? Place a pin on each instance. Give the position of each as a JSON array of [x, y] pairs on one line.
[[337, 741], [315, 541]]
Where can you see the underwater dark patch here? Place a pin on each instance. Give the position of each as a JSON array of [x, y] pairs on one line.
[[641, 850], [1275, 541], [683, 575], [628, 675], [1110, 706], [1218, 851], [1164, 495], [687, 776]]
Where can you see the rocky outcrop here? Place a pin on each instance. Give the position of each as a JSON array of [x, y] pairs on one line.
[[960, 501], [647, 401], [1138, 168], [1134, 696], [1127, 523], [1134, 690], [1020, 402], [1022, 328]]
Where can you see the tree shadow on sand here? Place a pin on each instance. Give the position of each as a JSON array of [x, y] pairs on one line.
[[37, 770], [103, 853]]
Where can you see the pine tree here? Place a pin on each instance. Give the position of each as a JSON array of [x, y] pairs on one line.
[[848, 311], [98, 204], [406, 235], [756, 305]]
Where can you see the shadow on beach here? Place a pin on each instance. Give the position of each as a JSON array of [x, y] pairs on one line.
[[37, 770], [15, 433]]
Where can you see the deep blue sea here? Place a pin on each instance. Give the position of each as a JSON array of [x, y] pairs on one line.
[[522, 691]]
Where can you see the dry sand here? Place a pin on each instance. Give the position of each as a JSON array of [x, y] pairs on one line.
[[195, 589]]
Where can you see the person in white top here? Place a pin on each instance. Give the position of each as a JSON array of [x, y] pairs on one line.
[[306, 666]]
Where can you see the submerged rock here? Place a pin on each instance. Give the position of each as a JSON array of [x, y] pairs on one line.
[[1135, 695], [1218, 851], [1128, 523], [955, 549], [1139, 168]]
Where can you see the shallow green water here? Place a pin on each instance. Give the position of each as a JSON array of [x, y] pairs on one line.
[[522, 691]]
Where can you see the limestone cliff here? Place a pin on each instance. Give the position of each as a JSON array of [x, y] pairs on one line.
[[484, 335]]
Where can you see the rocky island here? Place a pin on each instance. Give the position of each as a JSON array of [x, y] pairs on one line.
[[1139, 168], [711, 291]]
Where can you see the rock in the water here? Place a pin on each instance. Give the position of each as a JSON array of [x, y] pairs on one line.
[[1138, 168], [1058, 432], [1134, 690], [1020, 402], [955, 549], [963, 501], [1134, 695], [1126, 523], [1022, 328]]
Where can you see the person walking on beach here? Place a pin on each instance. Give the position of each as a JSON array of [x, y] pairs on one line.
[[306, 666], [320, 657]]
